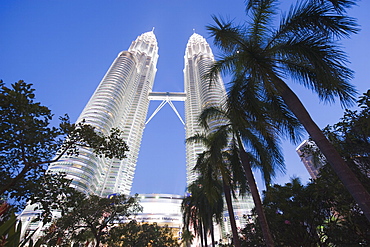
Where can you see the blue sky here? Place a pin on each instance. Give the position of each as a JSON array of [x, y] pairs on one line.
[[65, 47]]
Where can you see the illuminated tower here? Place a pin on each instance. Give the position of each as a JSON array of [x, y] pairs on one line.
[[200, 94], [120, 101]]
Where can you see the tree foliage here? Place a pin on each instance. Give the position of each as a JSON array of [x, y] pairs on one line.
[[133, 234], [28, 144], [251, 139], [90, 219], [323, 213], [351, 136], [54, 193], [219, 161], [202, 208], [10, 234]]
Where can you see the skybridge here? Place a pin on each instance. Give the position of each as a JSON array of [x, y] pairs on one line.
[[166, 98]]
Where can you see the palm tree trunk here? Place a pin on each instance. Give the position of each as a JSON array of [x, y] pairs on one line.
[[201, 233], [230, 209], [205, 235], [345, 174], [97, 239], [256, 197], [212, 233]]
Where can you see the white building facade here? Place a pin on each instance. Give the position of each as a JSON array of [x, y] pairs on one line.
[[200, 94], [120, 101]]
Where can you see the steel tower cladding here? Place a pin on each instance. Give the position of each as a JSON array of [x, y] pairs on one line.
[[120, 101], [200, 94]]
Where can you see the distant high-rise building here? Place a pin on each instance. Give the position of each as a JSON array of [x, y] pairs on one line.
[[304, 150]]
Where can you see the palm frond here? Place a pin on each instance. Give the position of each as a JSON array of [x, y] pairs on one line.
[[315, 17], [226, 36], [318, 64], [340, 5], [250, 4], [238, 175], [211, 114], [222, 66], [285, 122], [198, 138], [260, 25]]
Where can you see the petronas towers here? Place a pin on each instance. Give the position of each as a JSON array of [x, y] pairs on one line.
[[122, 100]]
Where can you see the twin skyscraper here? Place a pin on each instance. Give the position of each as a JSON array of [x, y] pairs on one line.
[[122, 100]]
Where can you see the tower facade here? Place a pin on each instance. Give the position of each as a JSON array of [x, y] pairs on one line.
[[200, 94], [120, 101]]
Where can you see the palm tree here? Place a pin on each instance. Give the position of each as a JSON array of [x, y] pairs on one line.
[[303, 47], [199, 210], [235, 130], [259, 134], [213, 164]]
